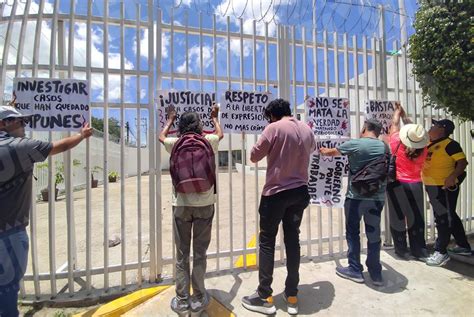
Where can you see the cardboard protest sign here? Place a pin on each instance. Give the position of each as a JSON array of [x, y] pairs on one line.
[[328, 116], [381, 110], [184, 101], [326, 175], [55, 104], [242, 111]]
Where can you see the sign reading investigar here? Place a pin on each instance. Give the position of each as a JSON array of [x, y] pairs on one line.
[[55, 104]]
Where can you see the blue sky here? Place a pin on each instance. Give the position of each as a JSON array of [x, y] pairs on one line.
[[351, 16]]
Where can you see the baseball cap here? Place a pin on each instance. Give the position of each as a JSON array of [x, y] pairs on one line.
[[7, 112], [448, 125]]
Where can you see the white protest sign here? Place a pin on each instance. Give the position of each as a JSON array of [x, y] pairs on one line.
[[242, 111], [326, 174], [184, 101], [382, 110], [328, 116], [55, 104]]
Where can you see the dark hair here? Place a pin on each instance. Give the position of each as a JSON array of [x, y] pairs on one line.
[[373, 125], [412, 153], [278, 108], [189, 122]]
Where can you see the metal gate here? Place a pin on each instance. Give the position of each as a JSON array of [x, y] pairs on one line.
[[70, 254]]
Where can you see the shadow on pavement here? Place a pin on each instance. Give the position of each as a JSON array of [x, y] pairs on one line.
[[317, 296]]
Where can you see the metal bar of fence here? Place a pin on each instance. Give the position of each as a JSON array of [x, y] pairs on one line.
[[151, 143], [158, 218], [316, 93], [33, 214], [337, 94], [35, 47], [243, 154], [327, 92], [305, 93], [347, 95], [139, 152], [356, 84], [106, 146], [217, 213], [71, 227], [173, 249], [254, 76], [51, 186], [123, 244], [88, 158], [231, 218]]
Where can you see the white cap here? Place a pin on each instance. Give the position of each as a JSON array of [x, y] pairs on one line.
[[11, 112]]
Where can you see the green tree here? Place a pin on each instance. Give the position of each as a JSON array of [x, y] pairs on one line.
[[114, 126], [443, 57]]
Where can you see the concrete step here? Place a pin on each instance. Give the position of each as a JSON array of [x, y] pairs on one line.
[[159, 305]]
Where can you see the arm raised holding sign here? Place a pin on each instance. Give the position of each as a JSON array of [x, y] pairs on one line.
[[70, 142], [171, 112]]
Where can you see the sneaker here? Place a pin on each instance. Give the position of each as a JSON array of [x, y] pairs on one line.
[[460, 251], [422, 256], [260, 305], [291, 304], [199, 304], [180, 306], [402, 254], [350, 274], [437, 259], [376, 279]]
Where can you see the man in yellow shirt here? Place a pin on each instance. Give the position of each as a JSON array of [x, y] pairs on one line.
[[442, 174]]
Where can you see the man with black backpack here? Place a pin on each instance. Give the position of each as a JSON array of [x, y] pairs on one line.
[[368, 163], [193, 173]]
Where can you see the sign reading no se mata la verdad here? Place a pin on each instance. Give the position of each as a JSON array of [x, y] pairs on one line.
[[242, 111], [328, 116], [184, 101], [54, 104]]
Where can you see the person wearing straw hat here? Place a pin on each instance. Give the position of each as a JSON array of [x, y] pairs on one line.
[[17, 157], [442, 174], [405, 193]]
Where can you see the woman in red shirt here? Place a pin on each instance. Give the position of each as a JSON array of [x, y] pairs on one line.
[[405, 195]]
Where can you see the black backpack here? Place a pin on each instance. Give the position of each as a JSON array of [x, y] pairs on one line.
[[369, 179]]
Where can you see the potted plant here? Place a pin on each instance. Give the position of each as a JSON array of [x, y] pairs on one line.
[[113, 175], [58, 179], [95, 182]]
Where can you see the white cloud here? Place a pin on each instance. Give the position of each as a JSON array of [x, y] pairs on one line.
[[165, 43], [194, 61], [182, 2]]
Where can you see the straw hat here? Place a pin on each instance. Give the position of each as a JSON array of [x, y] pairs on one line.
[[414, 136]]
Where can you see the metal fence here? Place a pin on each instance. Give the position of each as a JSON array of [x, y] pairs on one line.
[[69, 238]]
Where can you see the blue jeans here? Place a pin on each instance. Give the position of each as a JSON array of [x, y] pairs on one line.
[[13, 259], [354, 210]]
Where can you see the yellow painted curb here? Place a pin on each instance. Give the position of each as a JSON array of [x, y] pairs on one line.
[[125, 303], [250, 257]]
